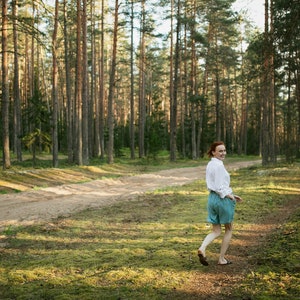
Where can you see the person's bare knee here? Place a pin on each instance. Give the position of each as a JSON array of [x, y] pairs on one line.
[[217, 229], [228, 227]]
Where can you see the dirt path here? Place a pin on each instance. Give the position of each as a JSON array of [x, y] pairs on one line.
[[48, 203], [218, 282]]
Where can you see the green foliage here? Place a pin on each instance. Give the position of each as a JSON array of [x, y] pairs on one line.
[[119, 132], [38, 137], [37, 116], [37, 113], [156, 131], [198, 99]]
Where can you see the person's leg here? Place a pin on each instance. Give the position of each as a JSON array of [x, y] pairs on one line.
[[216, 231], [225, 243]]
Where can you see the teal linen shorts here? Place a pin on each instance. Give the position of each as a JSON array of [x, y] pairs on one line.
[[220, 211]]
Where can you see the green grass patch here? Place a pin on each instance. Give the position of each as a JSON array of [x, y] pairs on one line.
[[276, 275], [145, 248]]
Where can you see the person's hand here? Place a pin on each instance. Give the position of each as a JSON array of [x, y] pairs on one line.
[[238, 198], [231, 197]]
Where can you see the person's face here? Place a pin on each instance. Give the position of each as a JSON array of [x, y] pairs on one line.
[[220, 152]]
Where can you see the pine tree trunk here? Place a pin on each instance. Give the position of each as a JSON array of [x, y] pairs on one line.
[[193, 90], [268, 106], [5, 91], [173, 104], [110, 149], [101, 86], [78, 89], [94, 149], [54, 91], [273, 158], [85, 94], [16, 87], [70, 103], [142, 104], [132, 112]]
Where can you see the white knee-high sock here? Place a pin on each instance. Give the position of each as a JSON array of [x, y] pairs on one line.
[[208, 239]]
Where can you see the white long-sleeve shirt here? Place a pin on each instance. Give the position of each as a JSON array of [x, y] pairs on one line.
[[217, 178]]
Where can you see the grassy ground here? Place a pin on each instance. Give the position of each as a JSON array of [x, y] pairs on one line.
[[276, 275], [145, 249], [275, 265]]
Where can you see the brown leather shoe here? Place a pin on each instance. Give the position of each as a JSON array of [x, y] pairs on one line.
[[202, 258]]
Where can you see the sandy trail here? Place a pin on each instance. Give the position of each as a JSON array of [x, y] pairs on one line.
[[49, 203]]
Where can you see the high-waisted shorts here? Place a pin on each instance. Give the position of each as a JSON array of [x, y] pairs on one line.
[[220, 211]]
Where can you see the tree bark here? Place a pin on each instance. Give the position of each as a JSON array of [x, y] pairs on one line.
[[173, 104], [78, 89], [132, 111], [16, 87], [268, 106], [85, 93], [5, 91], [193, 87], [54, 90], [142, 104], [101, 85], [112, 83], [70, 102]]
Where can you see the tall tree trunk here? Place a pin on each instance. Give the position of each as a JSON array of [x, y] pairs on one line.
[[16, 86], [272, 113], [70, 102], [78, 89], [268, 106], [184, 92], [193, 88], [5, 91], [85, 94], [288, 148], [206, 73], [297, 93], [101, 85], [132, 112], [142, 104], [32, 83], [34, 80], [112, 83], [54, 90], [265, 92], [171, 67], [173, 104], [218, 103], [94, 149]]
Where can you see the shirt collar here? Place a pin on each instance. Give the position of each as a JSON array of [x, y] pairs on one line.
[[217, 160]]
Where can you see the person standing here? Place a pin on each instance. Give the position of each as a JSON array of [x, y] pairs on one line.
[[221, 202]]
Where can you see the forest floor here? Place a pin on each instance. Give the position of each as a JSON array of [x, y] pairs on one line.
[[46, 204]]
